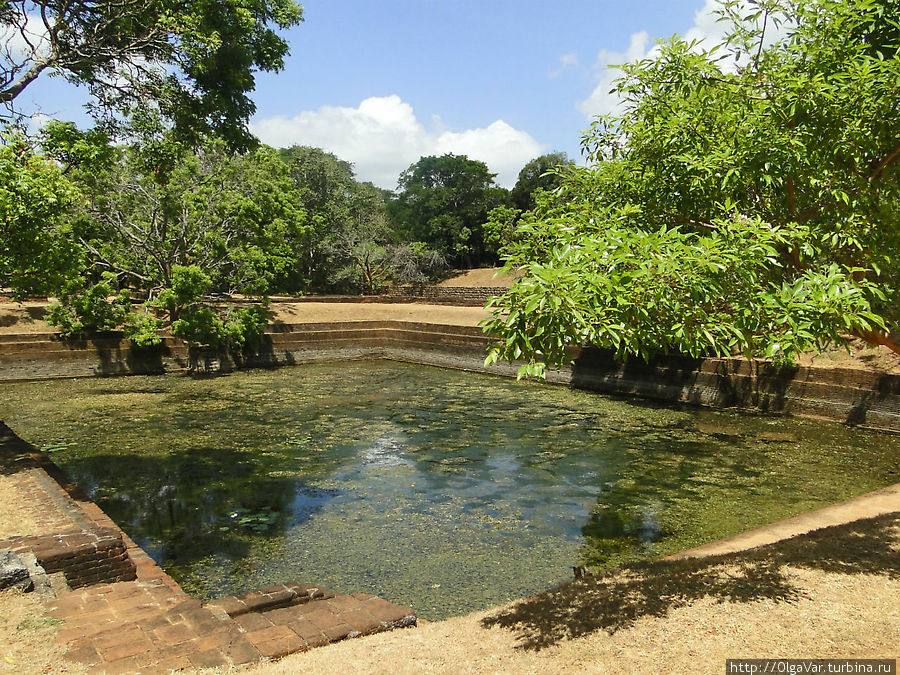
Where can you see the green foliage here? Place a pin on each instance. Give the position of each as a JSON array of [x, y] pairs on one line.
[[500, 227], [56, 447], [80, 308], [326, 187], [37, 257], [256, 521], [444, 202], [542, 173], [749, 207], [188, 285], [143, 328], [235, 218], [176, 226], [202, 324], [72, 147], [193, 61], [243, 326], [365, 254]]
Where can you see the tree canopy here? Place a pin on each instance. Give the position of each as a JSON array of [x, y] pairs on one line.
[[37, 254], [324, 184], [194, 60], [747, 199], [211, 222], [541, 173], [444, 201]]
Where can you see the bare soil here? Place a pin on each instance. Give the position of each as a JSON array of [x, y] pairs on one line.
[[27, 643], [23, 317], [318, 312], [493, 277], [16, 518], [860, 355]]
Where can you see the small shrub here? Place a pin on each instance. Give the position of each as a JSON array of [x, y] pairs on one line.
[[81, 309]]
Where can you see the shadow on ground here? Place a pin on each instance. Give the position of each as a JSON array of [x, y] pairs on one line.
[[617, 599]]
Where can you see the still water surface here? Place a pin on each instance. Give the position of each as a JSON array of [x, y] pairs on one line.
[[443, 490]]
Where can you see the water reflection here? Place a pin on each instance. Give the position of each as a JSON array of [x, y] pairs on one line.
[[443, 490]]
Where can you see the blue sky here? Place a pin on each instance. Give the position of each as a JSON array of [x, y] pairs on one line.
[[381, 84]]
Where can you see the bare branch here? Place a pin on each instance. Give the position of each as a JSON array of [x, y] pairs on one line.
[[883, 164]]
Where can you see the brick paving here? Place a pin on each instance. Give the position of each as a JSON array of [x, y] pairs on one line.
[[147, 627], [32, 495], [149, 624]]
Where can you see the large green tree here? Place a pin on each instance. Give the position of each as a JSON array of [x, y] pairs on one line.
[[326, 187], [542, 173], [366, 253], [37, 254], [206, 221], [235, 217], [747, 199], [193, 59], [443, 202]]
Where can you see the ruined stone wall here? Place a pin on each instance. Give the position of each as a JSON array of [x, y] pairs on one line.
[[88, 556], [468, 296], [849, 395]]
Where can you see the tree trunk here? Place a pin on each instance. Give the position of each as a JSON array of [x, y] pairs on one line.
[[890, 340]]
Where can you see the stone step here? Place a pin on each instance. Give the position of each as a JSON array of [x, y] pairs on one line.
[[296, 628], [270, 597]]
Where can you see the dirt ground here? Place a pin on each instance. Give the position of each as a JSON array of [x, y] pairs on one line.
[[27, 642], [15, 517], [492, 277], [837, 616], [302, 312]]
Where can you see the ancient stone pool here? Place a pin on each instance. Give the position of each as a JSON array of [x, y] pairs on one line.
[[442, 490]]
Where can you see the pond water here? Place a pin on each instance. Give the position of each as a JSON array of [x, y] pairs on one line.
[[443, 490]]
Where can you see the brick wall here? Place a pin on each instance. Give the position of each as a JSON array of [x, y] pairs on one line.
[[467, 296], [86, 557]]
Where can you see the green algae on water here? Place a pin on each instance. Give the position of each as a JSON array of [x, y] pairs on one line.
[[443, 490]]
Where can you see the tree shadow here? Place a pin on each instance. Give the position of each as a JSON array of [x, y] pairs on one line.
[[22, 315], [721, 382], [616, 599]]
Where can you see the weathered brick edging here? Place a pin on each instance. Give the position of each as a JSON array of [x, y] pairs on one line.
[[850, 395], [86, 557], [125, 614]]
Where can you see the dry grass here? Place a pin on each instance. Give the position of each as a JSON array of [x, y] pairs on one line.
[[838, 616], [27, 643], [834, 593]]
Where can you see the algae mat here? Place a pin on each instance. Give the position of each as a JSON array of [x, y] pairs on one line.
[[438, 489]]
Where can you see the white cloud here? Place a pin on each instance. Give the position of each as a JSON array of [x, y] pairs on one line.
[[382, 137], [24, 39], [707, 26], [565, 61], [602, 101], [706, 30]]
